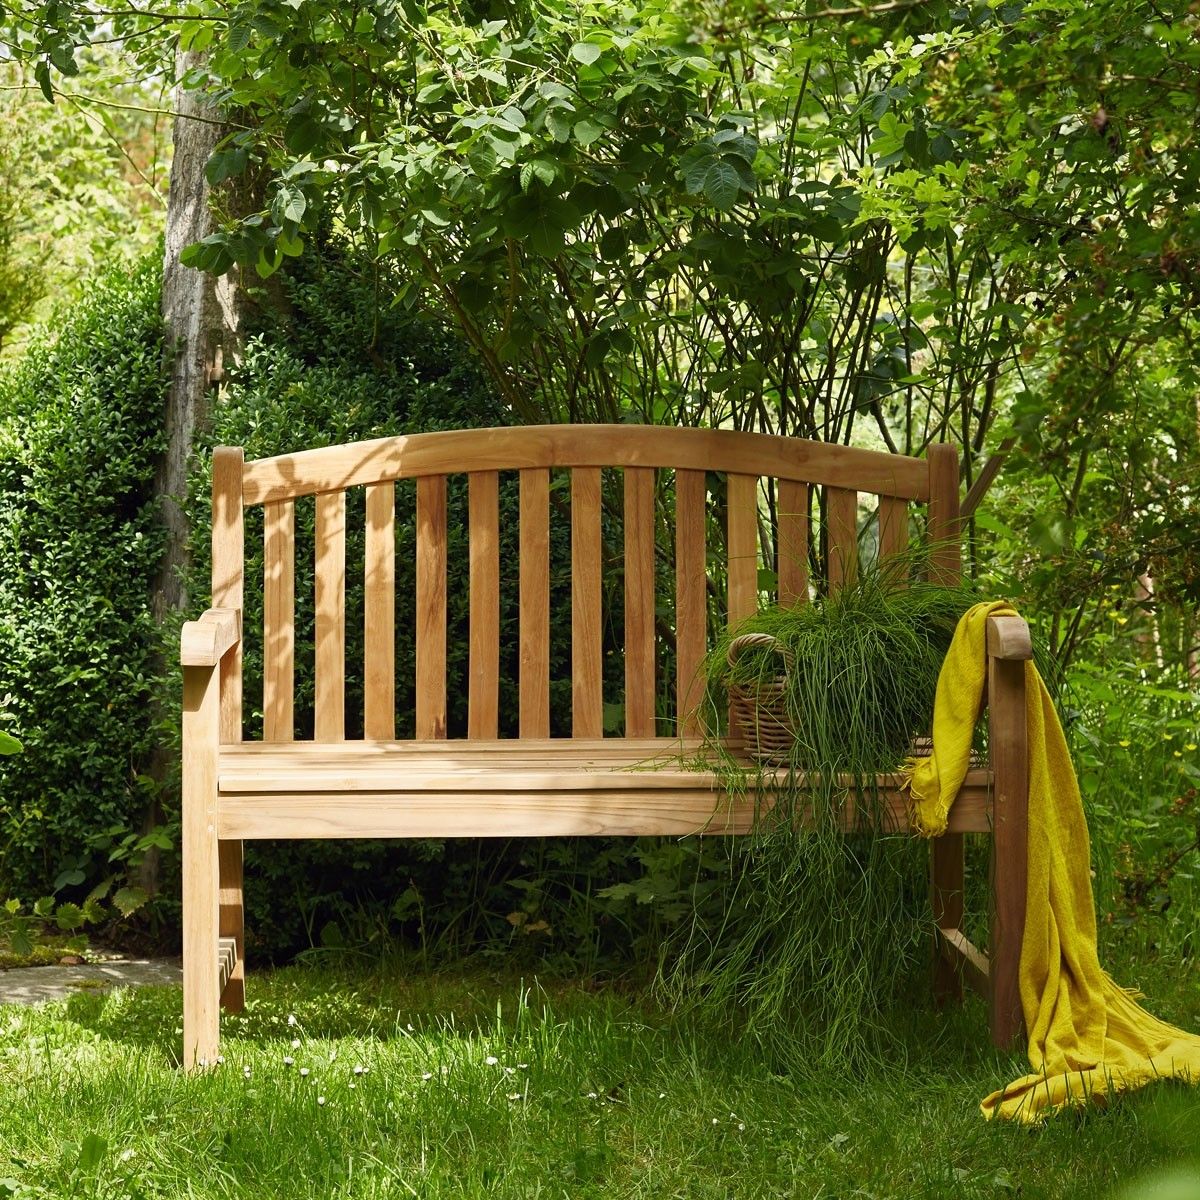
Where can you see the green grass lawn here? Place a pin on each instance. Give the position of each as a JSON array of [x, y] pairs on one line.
[[341, 1082]]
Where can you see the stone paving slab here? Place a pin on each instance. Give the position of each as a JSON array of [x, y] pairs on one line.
[[33, 985]]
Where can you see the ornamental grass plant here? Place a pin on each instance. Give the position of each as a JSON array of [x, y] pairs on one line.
[[823, 930]]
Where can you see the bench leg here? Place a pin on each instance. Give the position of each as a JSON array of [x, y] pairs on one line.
[[1010, 846], [201, 873], [232, 923], [946, 875]]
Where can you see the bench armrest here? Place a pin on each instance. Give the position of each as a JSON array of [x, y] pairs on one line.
[[1008, 638], [205, 642]]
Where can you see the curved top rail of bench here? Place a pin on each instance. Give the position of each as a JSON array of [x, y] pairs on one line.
[[334, 468]]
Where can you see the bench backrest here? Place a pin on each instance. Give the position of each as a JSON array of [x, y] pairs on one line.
[[770, 485]]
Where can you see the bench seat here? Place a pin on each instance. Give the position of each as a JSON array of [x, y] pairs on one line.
[[511, 788]]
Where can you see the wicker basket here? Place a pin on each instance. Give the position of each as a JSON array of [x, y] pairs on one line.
[[760, 712]]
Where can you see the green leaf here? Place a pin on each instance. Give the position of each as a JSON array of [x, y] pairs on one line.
[[9, 744], [558, 122], [289, 205], [69, 916], [585, 52], [42, 74], [129, 899], [238, 38], [541, 169], [694, 169], [587, 131], [722, 185], [19, 940], [302, 133]]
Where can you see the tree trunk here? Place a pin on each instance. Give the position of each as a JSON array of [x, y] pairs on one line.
[[203, 316]]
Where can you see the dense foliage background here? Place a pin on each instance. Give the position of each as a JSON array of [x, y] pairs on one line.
[[888, 226]]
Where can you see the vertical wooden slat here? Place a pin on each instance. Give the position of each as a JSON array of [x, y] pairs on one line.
[[945, 550], [228, 591], [691, 598], [379, 614], [431, 607], [792, 539], [841, 522], [330, 589], [946, 854], [587, 697], [228, 567], [279, 620], [742, 536], [893, 527], [483, 687], [639, 602], [534, 720]]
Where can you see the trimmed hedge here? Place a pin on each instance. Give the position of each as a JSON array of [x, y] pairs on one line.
[[81, 430]]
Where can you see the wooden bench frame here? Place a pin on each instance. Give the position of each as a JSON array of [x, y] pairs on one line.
[[535, 785]]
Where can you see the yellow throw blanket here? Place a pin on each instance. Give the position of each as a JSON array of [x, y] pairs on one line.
[[1087, 1037]]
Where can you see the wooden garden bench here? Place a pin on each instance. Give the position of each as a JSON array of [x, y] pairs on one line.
[[482, 785]]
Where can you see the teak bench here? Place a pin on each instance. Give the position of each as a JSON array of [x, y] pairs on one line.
[[535, 785]]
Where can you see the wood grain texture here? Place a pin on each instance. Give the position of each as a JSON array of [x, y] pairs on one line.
[[792, 507], [893, 528], [231, 924], [545, 446], [534, 715], [379, 613], [947, 876], [279, 620], [587, 695], [483, 685], [691, 598], [228, 572], [963, 957], [330, 596], [201, 879], [431, 607], [639, 602], [742, 543], [205, 642], [841, 529], [1009, 869], [944, 532], [504, 812]]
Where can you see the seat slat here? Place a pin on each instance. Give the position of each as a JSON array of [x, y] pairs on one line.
[[691, 598], [792, 538], [543, 813], [431, 607], [330, 589], [534, 716], [279, 620], [639, 602], [841, 521], [587, 698], [483, 687], [379, 632]]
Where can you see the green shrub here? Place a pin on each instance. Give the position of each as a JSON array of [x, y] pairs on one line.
[[80, 434]]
